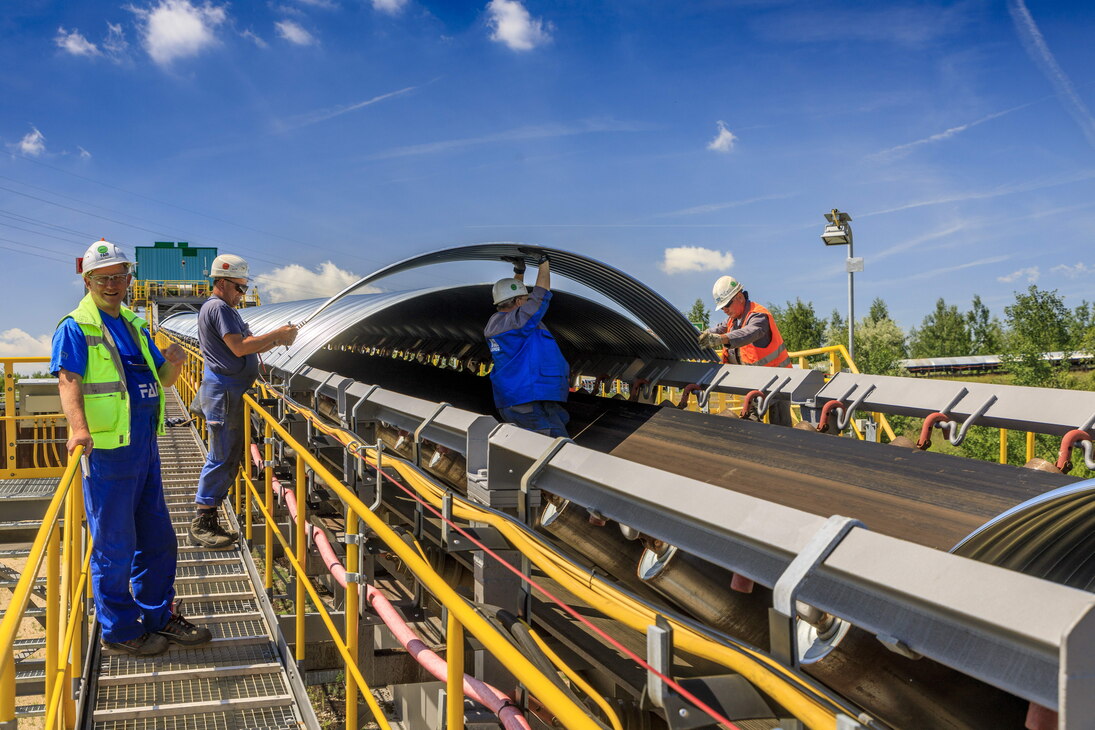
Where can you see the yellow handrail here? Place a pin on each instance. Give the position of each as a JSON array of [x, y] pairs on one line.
[[518, 665], [768, 675], [60, 624]]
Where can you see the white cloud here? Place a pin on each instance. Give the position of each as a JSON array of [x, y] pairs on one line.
[[33, 143], [685, 259], [74, 42], [323, 4], [293, 282], [294, 33], [514, 26], [1039, 52], [1031, 274], [723, 141], [1074, 272], [17, 343], [389, 6], [115, 44], [176, 29], [84, 154], [250, 35]]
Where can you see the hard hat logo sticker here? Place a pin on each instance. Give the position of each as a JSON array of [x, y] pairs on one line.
[[102, 250]]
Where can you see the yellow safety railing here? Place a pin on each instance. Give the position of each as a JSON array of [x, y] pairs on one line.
[[60, 546], [460, 613], [142, 290], [32, 443], [798, 696]]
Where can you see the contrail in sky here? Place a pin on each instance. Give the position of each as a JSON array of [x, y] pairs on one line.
[[1039, 52]]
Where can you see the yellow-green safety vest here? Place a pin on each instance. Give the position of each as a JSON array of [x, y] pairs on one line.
[[106, 400]]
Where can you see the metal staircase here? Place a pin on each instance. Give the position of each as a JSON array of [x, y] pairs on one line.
[[239, 680]]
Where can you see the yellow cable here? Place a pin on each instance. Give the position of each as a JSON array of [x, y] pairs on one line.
[[576, 678], [768, 676]]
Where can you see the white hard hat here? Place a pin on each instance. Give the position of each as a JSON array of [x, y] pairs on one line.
[[103, 253], [229, 266], [724, 290], [506, 289]]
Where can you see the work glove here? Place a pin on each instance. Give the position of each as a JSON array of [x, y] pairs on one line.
[[710, 340], [518, 265]]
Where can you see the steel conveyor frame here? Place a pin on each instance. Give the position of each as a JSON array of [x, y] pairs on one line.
[[1025, 635]]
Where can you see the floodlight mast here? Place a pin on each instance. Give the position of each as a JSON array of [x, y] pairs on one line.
[[839, 233]]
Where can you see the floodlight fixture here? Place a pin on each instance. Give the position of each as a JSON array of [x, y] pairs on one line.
[[838, 232]]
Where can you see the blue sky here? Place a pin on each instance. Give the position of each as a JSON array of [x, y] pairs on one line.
[[675, 140]]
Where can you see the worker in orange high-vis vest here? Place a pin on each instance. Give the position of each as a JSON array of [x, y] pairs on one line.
[[749, 337]]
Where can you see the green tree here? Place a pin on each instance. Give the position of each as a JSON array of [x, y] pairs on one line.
[[879, 344], [1038, 322], [986, 334], [1081, 327], [799, 325], [943, 333], [836, 330], [698, 315], [879, 311]]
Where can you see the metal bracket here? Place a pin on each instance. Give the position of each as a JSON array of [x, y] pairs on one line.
[[269, 464], [354, 578], [269, 440], [846, 412], [354, 538], [418, 433], [679, 715], [948, 427], [781, 617], [523, 510], [455, 542], [703, 398]]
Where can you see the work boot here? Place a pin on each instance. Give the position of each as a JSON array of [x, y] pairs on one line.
[[143, 645], [181, 631], [206, 532]]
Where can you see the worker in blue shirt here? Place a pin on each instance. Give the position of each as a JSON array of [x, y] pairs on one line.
[[230, 352], [111, 379], [530, 377]]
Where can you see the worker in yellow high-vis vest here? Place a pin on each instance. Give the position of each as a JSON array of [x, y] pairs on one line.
[[112, 378]]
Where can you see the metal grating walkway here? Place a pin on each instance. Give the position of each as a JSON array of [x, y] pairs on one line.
[[239, 680]]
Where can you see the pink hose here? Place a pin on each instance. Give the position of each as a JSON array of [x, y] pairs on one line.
[[490, 697]]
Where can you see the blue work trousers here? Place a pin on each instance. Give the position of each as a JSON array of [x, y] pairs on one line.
[[134, 548], [222, 404], [542, 416]]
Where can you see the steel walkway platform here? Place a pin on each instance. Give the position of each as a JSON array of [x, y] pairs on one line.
[[239, 680]]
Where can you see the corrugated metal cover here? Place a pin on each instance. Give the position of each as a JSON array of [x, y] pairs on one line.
[[670, 334], [441, 320], [665, 321]]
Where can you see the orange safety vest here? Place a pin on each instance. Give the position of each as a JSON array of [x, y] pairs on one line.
[[773, 356]]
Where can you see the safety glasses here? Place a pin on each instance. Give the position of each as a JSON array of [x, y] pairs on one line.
[[241, 288], [103, 280]]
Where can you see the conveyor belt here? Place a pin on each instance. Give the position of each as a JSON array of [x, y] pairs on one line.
[[931, 499]]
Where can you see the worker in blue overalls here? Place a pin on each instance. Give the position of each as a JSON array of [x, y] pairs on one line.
[[530, 377], [111, 379]]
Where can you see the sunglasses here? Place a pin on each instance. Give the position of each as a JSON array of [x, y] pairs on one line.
[[241, 288], [102, 280]]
